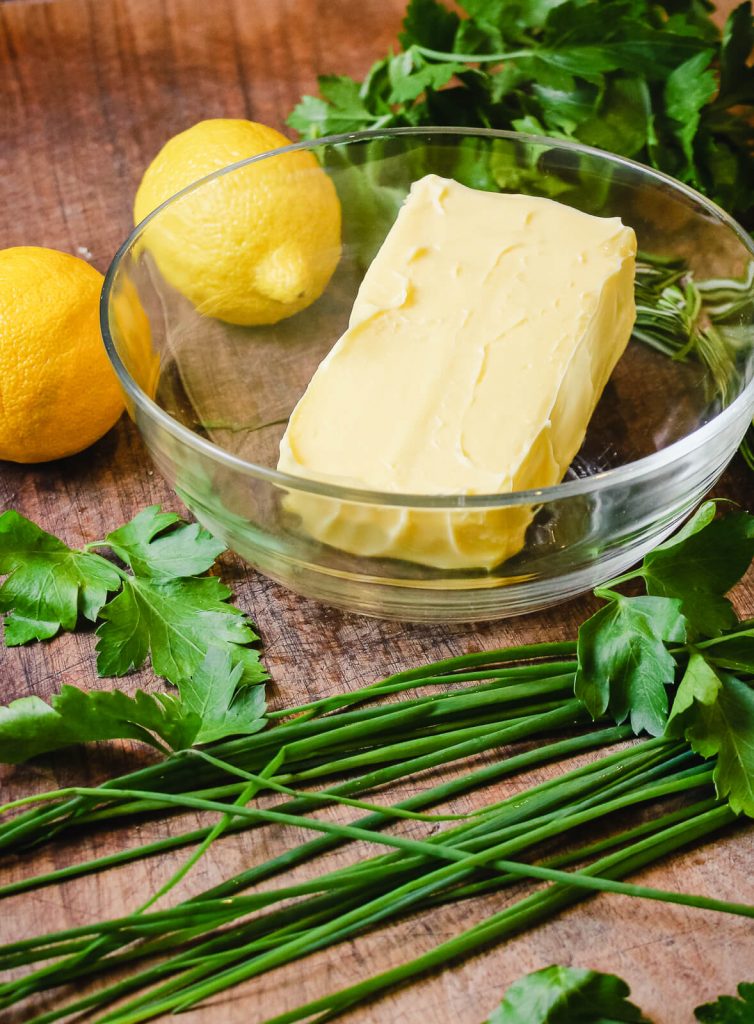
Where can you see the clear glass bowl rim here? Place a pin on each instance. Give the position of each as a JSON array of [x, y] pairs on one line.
[[640, 469]]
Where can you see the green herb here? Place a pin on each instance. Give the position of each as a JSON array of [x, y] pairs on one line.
[[624, 664], [156, 548], [625, 667], [700, 564], [29, 726], [49, 585], [662, 794], [714, 711], [729, 1009], [162, 607], [563, 995], [656, 82], [211, 705]]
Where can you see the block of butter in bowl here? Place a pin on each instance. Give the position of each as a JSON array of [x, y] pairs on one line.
[[478, 346]]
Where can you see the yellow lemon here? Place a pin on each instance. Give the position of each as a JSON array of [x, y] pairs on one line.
[[253, 246], [58, 392]]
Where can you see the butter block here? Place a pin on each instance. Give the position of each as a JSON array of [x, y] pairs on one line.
[[479, 343]]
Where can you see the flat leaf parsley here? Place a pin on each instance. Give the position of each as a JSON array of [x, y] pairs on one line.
[[154, 604]]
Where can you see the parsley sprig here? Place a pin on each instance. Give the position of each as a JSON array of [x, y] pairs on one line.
[[562, 995], [154, 601], [660, 660], [657, 82]]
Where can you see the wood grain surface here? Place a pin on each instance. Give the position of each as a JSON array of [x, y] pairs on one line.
[[89, 91]]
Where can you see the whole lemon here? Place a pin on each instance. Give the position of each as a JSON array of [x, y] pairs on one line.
[[58, 392], [253, 246]]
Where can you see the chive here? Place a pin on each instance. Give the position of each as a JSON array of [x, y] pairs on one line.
[[370, 738]]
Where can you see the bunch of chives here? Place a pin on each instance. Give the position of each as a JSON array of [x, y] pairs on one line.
[[222, 936], [496, 704]]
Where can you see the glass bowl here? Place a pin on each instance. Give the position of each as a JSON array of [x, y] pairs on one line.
[[211, 398]]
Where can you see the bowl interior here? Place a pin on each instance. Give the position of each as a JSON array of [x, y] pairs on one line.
[[236, 386]]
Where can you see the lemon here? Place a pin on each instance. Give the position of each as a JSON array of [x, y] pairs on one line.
[[58, 392], [253, 246]]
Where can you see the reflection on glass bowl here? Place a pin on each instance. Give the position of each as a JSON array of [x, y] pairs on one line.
[[212, 399]]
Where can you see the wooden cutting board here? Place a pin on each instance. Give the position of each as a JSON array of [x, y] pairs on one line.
[[89, 91]]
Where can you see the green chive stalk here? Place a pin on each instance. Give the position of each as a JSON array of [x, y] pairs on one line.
[[311, 743], [463, 852], [358, 743]]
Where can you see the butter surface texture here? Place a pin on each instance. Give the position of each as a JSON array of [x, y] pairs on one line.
[[479, 343]]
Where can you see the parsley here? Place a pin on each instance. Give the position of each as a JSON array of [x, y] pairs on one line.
[[655, 82], [729, 1009], [49, 584], [29, 726], [222, 706], [700, 564], [665, 660], [155, 604], [714, 712], [176, 621], [624, 665], [563, 995], [211, 706], [153, 549]]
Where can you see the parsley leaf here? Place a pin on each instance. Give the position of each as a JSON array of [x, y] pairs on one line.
[[196, 639], [176, 622], [312, 117], [729, 1009], [564, 995], [430, 24], [714, 711], [736, 74], [342, 109], [152, 549], [687, 90], [700, 564], [29, 726], [221, 702], [733, 651], [662, 71], [410, 76], [623, 664], [162, 607], [49, 585], [213, 704]]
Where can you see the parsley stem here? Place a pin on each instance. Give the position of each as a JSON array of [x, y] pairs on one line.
[[473, 58]]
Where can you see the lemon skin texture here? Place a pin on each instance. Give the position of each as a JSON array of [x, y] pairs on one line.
[[58, 391], [253, 246]]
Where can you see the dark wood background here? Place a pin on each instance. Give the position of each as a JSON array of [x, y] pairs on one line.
[[89, 91]]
